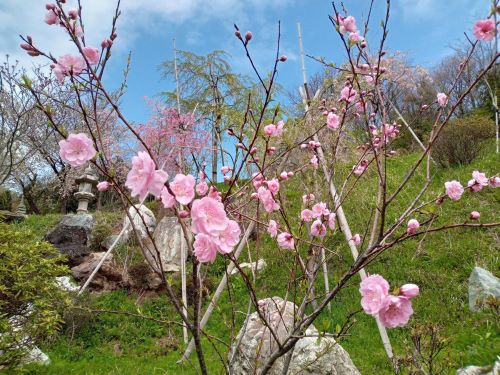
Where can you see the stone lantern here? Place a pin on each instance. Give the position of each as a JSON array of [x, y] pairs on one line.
[[84, 194]]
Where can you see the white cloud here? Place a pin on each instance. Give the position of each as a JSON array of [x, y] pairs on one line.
[[138, 18]]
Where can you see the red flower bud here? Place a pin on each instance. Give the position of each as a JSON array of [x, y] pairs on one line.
[[248, 36]]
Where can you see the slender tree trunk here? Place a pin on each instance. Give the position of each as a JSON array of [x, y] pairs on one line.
[[32, 206]]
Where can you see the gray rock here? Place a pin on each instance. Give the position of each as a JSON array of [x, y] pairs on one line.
[[73, 236], [108, 241], [143, 219], [65, 283], [257, 266], [109, 277], [35, 355], [310, 356], [167, 237], [476, 370], [482, 285]]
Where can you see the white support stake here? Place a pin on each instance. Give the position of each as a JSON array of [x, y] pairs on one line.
[[344, 225]]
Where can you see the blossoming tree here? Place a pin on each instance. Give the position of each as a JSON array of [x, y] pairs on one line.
[[217, 222]]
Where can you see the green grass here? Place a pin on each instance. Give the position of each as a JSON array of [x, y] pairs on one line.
[[110, 343]]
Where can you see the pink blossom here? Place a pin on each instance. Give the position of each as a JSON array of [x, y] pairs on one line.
[[266, 197], [202, 188], [409, 290], [208, 216], [214, 194], [320, 209], [314, 161], [143, 178], [332, 121], [347, 94], [306, 198], [229, 237], [257, 180], [103, 186], [52, 16], [454, 189], [284, 176], [68, 65], [395, 312], [318, 229], [355, 38], [474, 215], [306, 215], [273, 185], [356, 239], [73, 14], [485, 29], [183, 188], [272, 228], [494, 181], [273, 130], [360, 168], [442, 99], [205, 249], [479, 180], [77, 149], [374, 289], [331, 220], [92, 55], [347, 24], [167, 199], [413, 225], [286, 241], [225, 169]]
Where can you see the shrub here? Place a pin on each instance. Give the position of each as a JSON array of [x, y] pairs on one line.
[[460, 141], [5, 199], [30, 301]]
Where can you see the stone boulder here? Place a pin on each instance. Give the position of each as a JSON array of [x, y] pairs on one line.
[[109, 277], [476, 370], [259, 265], [144, 220], [167, 237], [482, 285], [310, 356], [73, 237]]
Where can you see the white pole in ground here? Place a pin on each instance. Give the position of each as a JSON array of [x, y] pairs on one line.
[[344, 225]]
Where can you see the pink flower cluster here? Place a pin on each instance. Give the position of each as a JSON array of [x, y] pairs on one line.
[[76, 150], [393, 311], [454, 189], [273, 130], [214, 232], [321, 213]]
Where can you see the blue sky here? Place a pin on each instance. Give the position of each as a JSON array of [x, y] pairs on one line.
[[425, 29]]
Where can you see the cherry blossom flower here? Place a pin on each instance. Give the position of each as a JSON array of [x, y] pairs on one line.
[[92, 55], [413, 225], [454, 189], [320, 209], [332, 121], [143, 178], [331, 220], [257, 180], [204, 248], [374, 289], [306, 198], [52, 15], [347, 24], [306, 215], [272, 228], [356, 239], [409, 290], [442, 99], [68, 65], [202, 188], [208, 216], [355, 38], [167, 199], [485, 29], [360, 168], [77, 149], [494, 181], [183, 188], [229, 237], [395, 312], [318, 229], [314, 161], [273, 130], [474, 215], [225, 169], [479, 180], [286, 241], [266, 197], [103, 186], [273, 185]]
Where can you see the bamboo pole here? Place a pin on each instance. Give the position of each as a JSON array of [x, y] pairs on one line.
[[344, 225]]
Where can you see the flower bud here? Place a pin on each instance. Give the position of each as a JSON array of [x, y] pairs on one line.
[[474, 215], [114, 36], [183, 214], [237, 34], [283, 58], [409, 290], [248, 36]]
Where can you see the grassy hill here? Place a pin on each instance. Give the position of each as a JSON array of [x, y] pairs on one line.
[[104, 342]]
